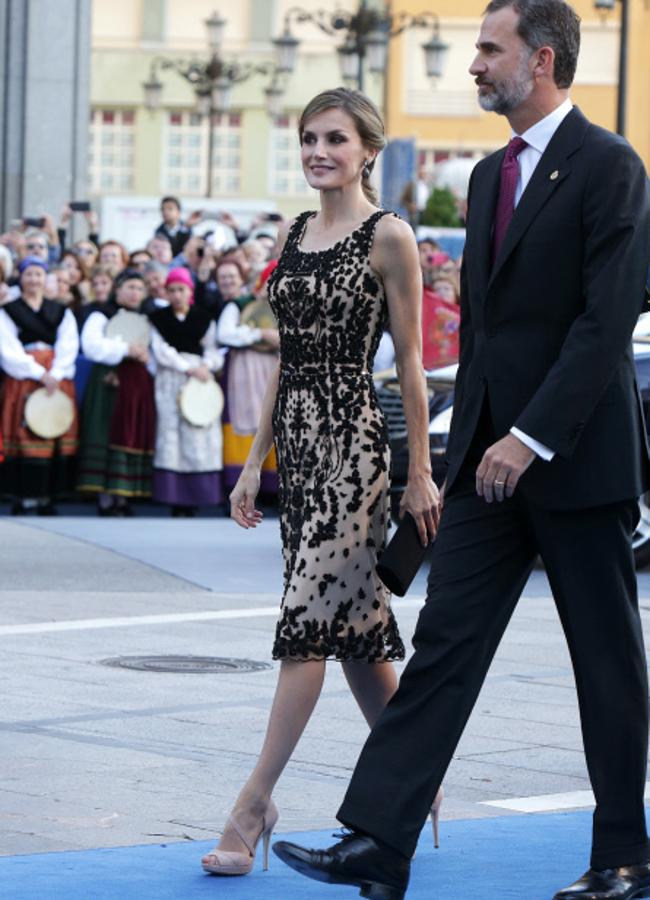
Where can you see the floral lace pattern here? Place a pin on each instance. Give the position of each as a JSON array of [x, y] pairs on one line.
[[332, 447]]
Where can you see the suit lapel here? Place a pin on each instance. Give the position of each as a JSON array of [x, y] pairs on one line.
[[484, 198], [552, 169]]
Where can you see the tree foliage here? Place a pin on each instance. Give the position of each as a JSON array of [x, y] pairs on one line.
[[441, 210]]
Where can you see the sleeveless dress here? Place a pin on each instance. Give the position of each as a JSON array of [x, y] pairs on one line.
[[332, 449]]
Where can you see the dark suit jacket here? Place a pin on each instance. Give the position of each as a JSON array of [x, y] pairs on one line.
[[545, 332]]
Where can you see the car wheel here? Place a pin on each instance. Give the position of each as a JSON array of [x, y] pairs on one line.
[[641, 537]]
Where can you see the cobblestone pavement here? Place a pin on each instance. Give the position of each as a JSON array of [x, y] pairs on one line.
[[98, 756]]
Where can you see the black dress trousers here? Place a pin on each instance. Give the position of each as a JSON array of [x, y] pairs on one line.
[[482, 558]]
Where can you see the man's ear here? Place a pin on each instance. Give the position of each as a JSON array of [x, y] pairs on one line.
[[545, 64]]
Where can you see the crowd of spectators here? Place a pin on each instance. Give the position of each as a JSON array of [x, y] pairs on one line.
[[217, 328]]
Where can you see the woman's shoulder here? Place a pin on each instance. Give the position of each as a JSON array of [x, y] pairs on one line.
[[289, 230], [392, 229]]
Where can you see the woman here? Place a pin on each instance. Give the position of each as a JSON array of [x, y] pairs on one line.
[[440, 322], [101, 284], [118, 430], [342, 271], [79, 273], [138, 259], [39, 344], [114, 256], [250, 365], [188, 459]]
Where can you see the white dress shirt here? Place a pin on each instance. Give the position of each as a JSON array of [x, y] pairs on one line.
[[232, 333], [538, 137], [20, 364], [171, 358]]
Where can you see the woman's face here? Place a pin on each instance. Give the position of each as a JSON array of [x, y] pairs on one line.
[[87, 250], [444, 289], [179, 296], [155, 282], [332, 153], [63, 283], [229, 281], [139, 261], [72, 267], [111, 256], [32, 280], [102, 286], [131, 293]]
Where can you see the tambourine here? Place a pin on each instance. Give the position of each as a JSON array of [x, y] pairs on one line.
[[200, 402], [258, 314], [49, 415], [132, 327]]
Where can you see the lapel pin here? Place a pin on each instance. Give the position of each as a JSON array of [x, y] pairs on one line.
[[554, 175]]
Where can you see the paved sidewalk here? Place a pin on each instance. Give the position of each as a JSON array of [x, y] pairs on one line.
[[98, 757]]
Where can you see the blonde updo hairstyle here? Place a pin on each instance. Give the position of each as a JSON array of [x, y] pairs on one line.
[[367, 120]]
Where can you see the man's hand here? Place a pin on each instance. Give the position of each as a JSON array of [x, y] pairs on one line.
[[502, 466]]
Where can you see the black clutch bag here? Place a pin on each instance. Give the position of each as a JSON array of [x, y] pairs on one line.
[[403, 556]]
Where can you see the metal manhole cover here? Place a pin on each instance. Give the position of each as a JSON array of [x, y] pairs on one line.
[[190, 665]]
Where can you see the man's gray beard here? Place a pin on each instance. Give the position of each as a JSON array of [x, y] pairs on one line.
[[506, 97], [510, 94]]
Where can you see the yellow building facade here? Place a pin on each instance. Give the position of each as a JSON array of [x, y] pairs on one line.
[[135, 152], [445, 119]]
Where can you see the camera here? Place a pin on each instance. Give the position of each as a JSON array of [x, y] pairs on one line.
[[79, 205], [34, 221]]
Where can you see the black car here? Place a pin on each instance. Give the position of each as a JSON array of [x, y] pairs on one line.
[[441, 396]]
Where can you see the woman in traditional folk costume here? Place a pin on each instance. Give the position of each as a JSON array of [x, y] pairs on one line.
[[188, 458], [251, 363], [38, 347], [119, 416]]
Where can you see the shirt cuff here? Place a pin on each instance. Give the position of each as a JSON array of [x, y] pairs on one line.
[[541, 450]]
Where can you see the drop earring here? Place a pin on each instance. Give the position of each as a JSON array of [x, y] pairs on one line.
[[365, 171]]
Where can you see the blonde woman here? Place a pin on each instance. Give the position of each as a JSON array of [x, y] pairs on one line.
[[342, 273]]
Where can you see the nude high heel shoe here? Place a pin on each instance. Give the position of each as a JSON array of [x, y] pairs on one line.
[[435, 816], [230, 862]]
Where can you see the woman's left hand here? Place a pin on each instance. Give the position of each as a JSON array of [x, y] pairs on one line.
[[422, 500]]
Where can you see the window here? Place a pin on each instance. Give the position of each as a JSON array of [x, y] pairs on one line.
[[111, 145], [285, 169], [185, 164]]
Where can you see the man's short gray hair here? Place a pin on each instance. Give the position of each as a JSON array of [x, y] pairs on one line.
[[548, 23]]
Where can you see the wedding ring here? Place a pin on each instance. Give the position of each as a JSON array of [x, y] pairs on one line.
[[499, 483]]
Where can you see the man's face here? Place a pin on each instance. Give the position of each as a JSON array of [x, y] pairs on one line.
[[161, 250], [502, 68], [171, 213]]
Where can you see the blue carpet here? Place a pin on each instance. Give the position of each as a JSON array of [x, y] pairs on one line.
[[505, 858]]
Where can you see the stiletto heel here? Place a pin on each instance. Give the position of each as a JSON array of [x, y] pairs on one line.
[[230, 862], [435, 816], [266, 843]]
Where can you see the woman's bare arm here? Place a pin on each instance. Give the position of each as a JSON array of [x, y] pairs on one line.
[[394, 257]]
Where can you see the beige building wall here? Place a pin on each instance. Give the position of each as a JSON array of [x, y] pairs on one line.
[[445, 117], [128, 34]]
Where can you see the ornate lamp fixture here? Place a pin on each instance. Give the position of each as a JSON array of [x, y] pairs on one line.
[[212, 79], [366, 34]]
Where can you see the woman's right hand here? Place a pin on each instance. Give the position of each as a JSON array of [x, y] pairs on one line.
[[242, 499]]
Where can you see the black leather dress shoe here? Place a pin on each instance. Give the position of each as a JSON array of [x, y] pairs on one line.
[[380, 872], [626, 883]]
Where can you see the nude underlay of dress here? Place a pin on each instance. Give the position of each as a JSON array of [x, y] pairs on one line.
[[333, 453]]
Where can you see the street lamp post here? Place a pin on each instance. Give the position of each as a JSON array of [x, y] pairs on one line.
[[367, 34], [607, 6], [212, 82]]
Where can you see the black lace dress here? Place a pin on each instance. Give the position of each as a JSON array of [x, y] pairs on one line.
[[332, 449]]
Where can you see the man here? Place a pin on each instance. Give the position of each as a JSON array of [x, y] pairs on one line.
[[547, 455], [172, 227]]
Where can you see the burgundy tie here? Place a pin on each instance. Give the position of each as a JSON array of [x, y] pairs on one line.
[[507, 188]]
